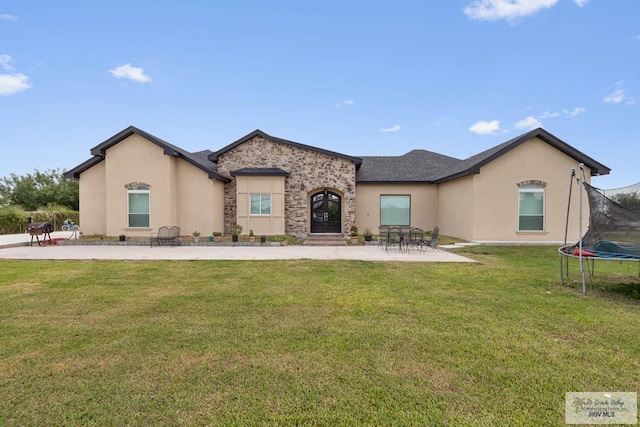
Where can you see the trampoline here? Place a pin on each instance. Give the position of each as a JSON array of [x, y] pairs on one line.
[[613, 233]]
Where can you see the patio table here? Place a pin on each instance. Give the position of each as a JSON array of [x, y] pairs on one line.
[[403, 236]]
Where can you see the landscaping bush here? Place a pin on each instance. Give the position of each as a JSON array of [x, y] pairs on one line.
[[13, 219], [54, 214]]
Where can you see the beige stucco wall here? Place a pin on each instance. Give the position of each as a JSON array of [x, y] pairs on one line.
[[272, 224], [492, 197], [93, 209], [180, 193], [424, 204], [456, 208], [200, 200], [138, 160]]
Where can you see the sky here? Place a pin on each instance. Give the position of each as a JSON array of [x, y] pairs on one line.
[[362, 78]]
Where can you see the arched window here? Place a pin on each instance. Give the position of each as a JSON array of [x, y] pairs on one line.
[[138, 206], [531, 206]]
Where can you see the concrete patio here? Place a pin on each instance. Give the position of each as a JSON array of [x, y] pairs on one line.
[[16, 246]]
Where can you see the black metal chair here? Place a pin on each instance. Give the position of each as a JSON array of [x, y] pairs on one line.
[[394, 237], [432, 242], [383, 236], [412, 238]]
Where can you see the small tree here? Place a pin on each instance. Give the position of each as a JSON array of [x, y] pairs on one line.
[[33, 191]]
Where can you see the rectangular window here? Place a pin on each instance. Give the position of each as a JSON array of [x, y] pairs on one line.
[[138, 208], [261, 204], [531, 208], [395, 210]]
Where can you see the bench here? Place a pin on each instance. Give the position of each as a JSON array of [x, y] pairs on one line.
[[166, 235]]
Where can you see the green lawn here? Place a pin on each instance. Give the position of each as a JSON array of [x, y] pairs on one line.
[[312, 342]]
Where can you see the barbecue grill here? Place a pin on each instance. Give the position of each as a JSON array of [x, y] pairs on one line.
[[37, 229]]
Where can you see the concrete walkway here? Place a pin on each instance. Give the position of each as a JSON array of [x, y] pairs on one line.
[[11, 240], [13, 247]]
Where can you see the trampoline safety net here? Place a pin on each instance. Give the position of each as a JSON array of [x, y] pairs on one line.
[[613, 228]]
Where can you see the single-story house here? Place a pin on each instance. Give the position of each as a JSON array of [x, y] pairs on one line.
[[517, 191]]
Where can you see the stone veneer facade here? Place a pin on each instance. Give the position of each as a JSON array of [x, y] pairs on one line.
[[310, 171]]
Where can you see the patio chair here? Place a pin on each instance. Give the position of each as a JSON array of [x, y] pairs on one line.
[[394, 237], [412, 237], [432, 242], [383, 236]]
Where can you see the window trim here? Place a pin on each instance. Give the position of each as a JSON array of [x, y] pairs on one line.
[[533, 187], [138, 190], [251, 213], [395, 195]]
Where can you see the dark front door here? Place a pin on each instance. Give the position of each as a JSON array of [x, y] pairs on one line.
[[325, 212]]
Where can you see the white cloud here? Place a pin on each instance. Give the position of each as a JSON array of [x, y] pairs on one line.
[[132, 73], [347, 103], [575, 112], [13, 83], [617, 96], [482, 127], [528, 123], [510, 10], [394, 128], [5, 62], [548, 114], [7, 17], [580, 3], [567, 113]]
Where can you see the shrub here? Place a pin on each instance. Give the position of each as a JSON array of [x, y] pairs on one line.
[[13, 219], [55, 214]]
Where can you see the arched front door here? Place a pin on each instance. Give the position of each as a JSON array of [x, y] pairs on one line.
[[325, 212]]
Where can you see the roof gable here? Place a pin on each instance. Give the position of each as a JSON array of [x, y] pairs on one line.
[[197, 159], [473, 164], [258, 133]]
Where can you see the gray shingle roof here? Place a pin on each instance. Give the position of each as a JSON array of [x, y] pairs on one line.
[[428, 167], [260, 172], [417, 166]]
